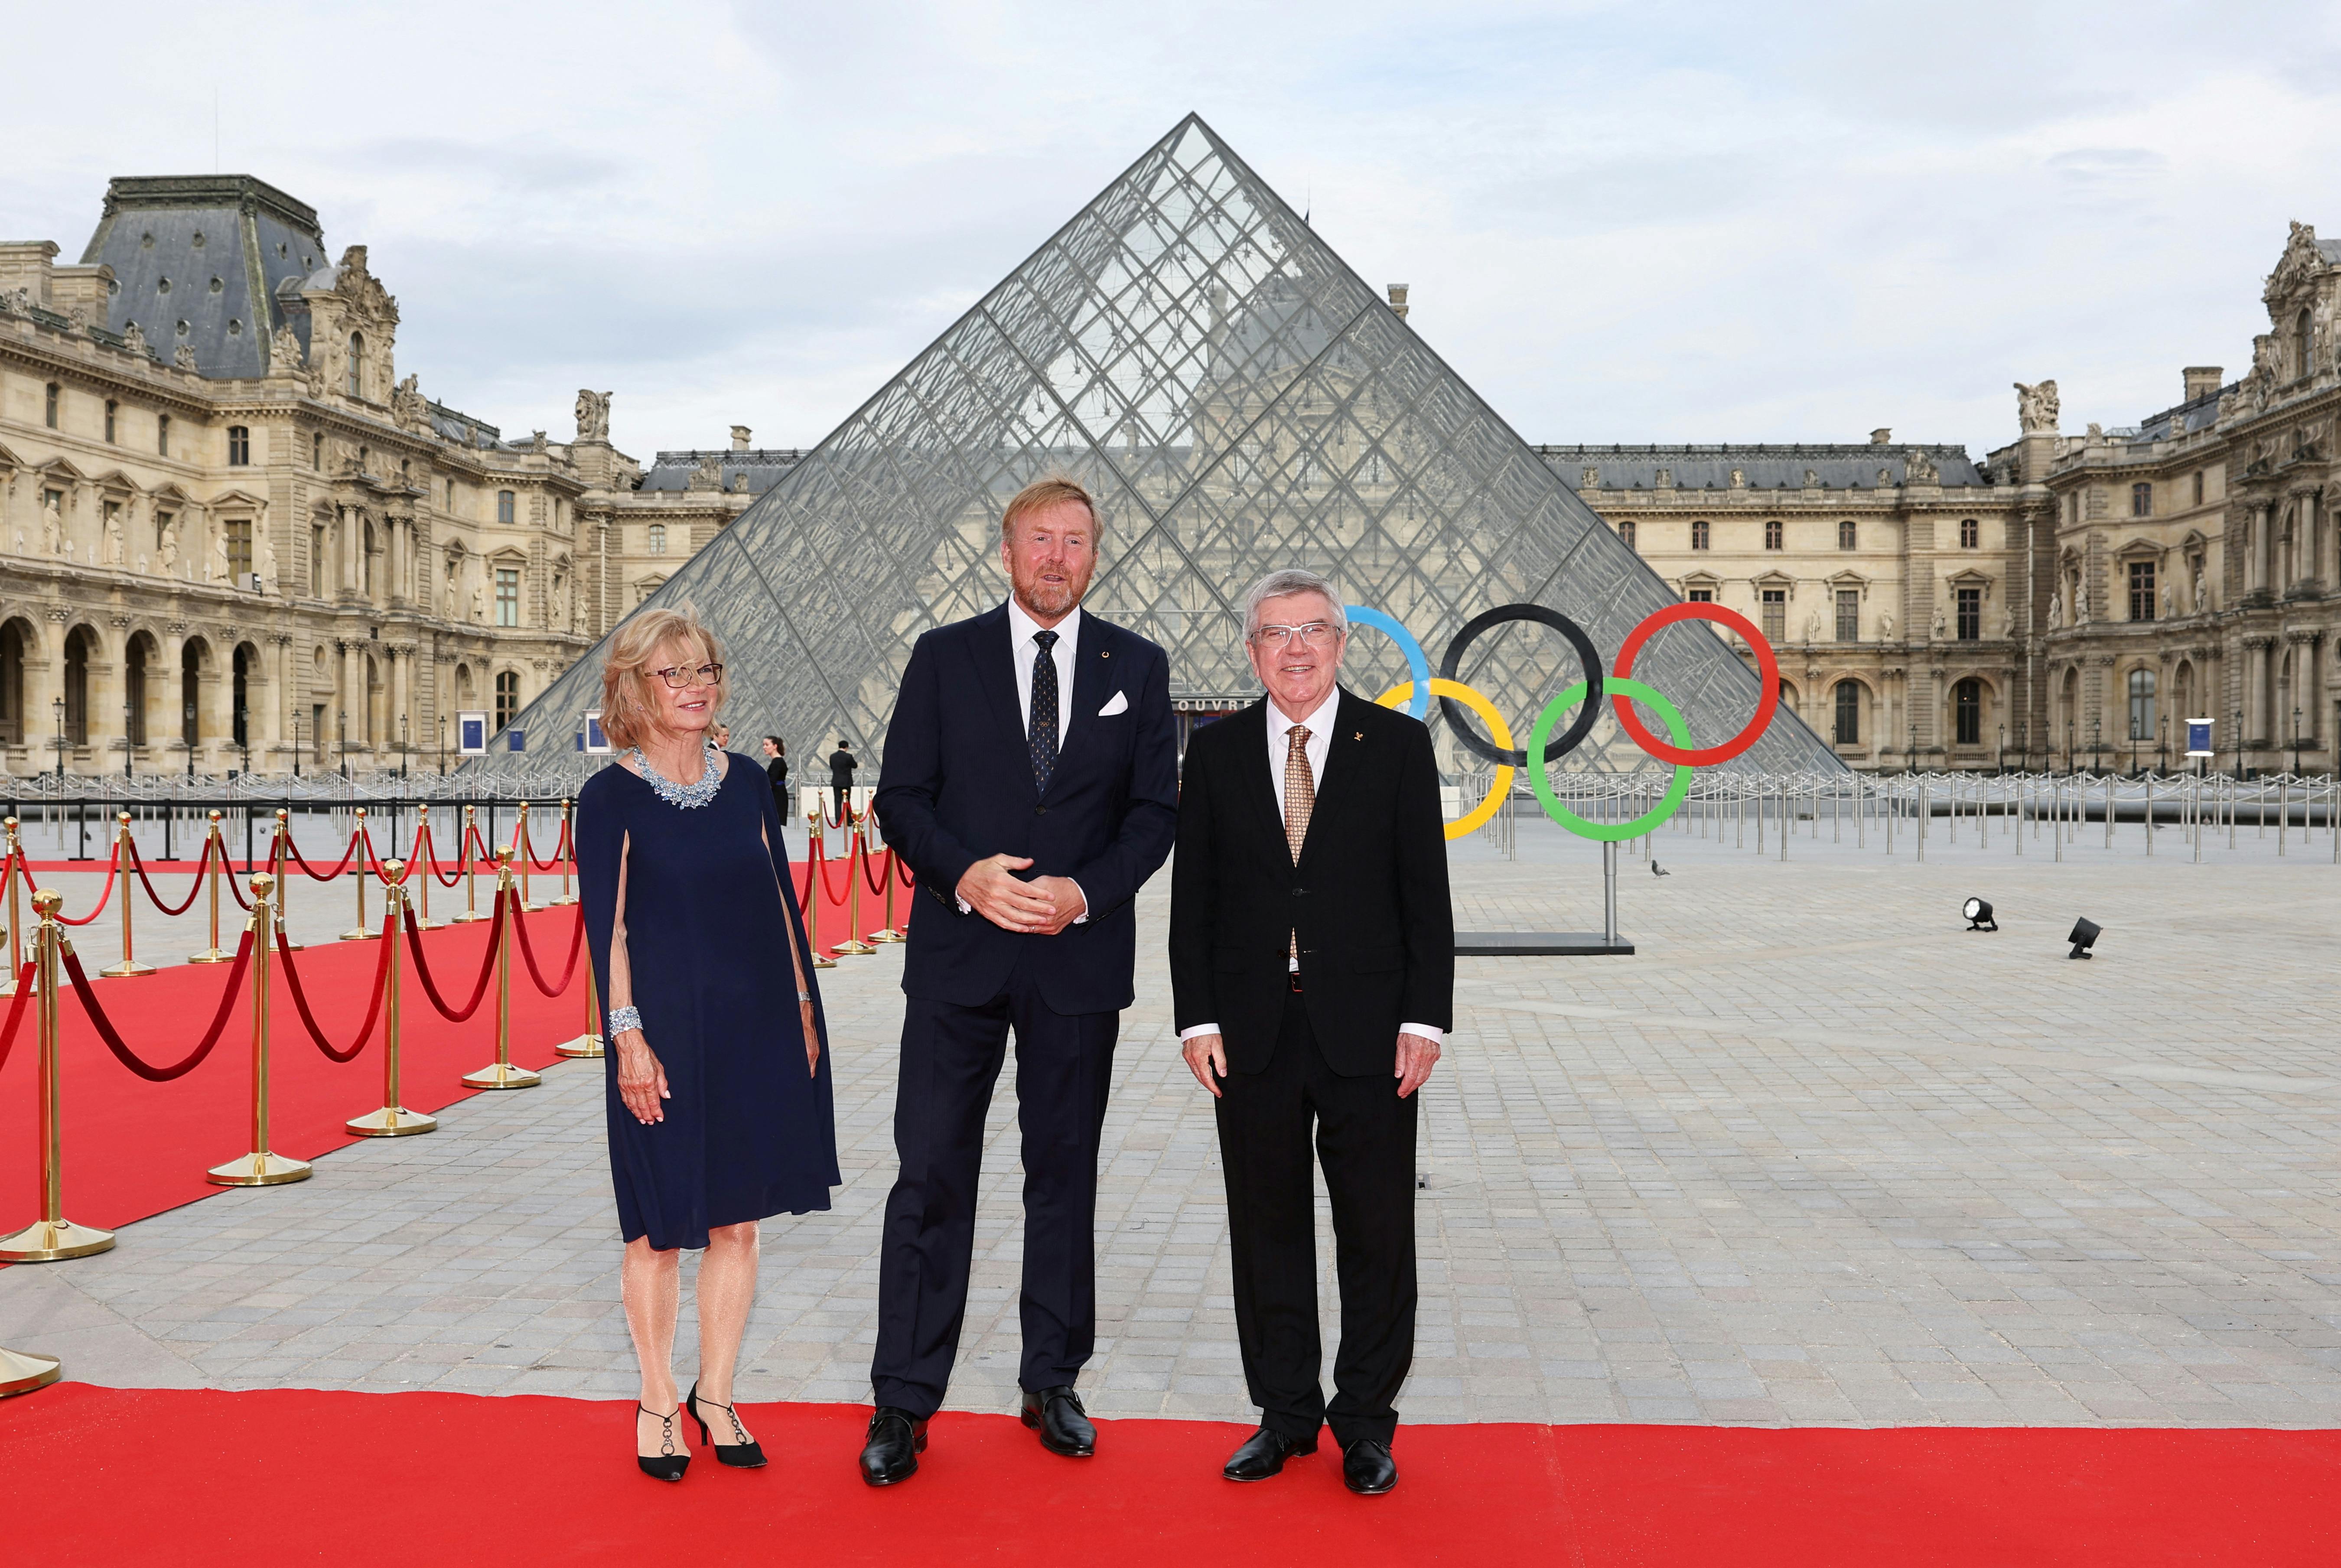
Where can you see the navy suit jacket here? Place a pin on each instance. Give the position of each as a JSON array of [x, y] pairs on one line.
[[957, 787]]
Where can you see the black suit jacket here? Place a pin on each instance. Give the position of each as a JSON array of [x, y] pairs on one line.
[[957, 786], [1368, 896]]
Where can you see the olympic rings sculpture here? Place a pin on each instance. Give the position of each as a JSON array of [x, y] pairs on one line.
[[1586, 696]]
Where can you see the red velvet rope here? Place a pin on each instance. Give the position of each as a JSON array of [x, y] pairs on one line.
[[480, 846], [315, 875], [112, 867], [877, 886], [138, 864], [301, 1002], [576, 942], [554, 864], [422, 965], [123, 1054], [901, 871], [821, 859], [426, 850], [233, 890], [16, 1008]]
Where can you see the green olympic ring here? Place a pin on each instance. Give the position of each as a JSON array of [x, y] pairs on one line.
[[1608, 832]]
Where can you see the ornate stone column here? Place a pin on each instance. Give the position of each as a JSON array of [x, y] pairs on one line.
[[2256, 690], [347, 543]]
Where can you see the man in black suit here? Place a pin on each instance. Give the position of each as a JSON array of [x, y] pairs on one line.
[[1031, 779], [1312, 963], [842, 764]]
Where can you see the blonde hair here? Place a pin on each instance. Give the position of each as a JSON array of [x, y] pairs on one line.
[[1043, 493], [629, 707]]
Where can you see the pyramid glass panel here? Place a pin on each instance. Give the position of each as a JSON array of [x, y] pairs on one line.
[[1238, 399]]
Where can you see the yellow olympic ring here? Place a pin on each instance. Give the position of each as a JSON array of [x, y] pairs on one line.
[[1501, 789]]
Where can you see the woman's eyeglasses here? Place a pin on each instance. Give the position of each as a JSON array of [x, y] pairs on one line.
[[677, 677]]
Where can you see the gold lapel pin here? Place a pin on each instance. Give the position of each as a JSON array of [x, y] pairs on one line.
[[1357, 735]]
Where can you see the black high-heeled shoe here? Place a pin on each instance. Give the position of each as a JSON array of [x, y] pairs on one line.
[[745, 1455], [666, 1465]]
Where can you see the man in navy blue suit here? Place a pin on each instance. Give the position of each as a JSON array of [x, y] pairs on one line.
[[1031, 779]]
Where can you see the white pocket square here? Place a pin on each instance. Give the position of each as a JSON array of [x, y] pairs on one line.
[[1121, 704]]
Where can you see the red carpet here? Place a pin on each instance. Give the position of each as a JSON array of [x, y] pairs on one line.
[[135, 1149], [103, 1476]]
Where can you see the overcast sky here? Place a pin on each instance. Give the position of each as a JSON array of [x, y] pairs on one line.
[[1621, 222]]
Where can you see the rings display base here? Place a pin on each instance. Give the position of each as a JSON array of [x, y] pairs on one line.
[[258, 1169], [391, 1122], [43, 1242], [502, 1076]]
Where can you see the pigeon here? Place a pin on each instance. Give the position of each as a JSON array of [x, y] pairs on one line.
[[1658, 870]]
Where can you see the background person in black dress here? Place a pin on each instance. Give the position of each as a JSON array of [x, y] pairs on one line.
[[719, 1106], [1031, 782], [1313, 977]]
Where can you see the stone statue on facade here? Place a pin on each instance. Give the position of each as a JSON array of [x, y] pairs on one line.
[[2036, 408], [116, 553], [2055, 611], [593, 415], [183, 356], [268, 562], [133, 341], [407, 406], [53, 526], [2202, 593], [1886, 626], [1940, 628], [708, 475], [2006, 625], [220, 572], [1739, 479], [170, 551], [479, 605], [1917, 468], [1813, 626], [285, 355], [2170, 601]]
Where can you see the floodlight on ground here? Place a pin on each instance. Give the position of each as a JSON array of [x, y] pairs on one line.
[[1979, 916], [2083, 937]]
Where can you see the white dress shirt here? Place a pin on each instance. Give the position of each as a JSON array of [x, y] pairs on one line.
[[1319, 748], [1022, 629]]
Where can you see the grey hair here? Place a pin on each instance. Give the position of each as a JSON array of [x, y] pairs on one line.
[[1291, 580]]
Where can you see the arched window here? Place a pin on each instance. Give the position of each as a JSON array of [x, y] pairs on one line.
[[133, 691], [1966, 700], [1699, 536], [1625, 532], [1774, 535], [191, 677], [357, 365], [2141, 704], [1847, 536], [1849, 712], [245, 656], [76, 689], [507, 697], [658, 538], [1970, 533]]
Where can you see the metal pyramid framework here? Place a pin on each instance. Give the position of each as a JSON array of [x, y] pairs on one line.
[[1238, 399]]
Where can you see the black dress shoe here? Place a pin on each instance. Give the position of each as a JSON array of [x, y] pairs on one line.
[[1263, 1455], [890, 1452], [1367, 1467], [1056, 1414]]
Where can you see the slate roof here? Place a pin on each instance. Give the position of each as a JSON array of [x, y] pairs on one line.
[[764, 468], [1765, 466], [211, 252]]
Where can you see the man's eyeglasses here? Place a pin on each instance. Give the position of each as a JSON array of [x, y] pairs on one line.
[[677, 677], [1314, 634]]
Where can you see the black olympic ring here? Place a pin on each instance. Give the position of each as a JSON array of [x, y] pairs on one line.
[[1587, 713]]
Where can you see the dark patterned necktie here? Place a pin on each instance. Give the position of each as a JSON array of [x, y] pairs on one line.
[[1041, 730]]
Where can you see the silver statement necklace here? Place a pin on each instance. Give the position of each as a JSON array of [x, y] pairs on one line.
[[686, 797]]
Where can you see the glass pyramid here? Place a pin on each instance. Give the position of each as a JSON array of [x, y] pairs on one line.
[[1238, 399]]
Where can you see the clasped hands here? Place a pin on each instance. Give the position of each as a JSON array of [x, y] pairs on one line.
[[1207, 1058], [1041, 907]]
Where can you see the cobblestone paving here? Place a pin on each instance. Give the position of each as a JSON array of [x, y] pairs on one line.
[[1815, 1154]]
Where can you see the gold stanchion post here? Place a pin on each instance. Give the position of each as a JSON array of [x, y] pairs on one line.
[[854, 851], [282, 858], [21, 1373], [821, 961], [52, 1237], [357, 854], [130, 966], [501, 1074], [568, 851], [393, 1120], [16, 923], [890, 934], [588, 1044], [471, 865], [215, 856], [521, 853], [261, 1166], [430, 852]]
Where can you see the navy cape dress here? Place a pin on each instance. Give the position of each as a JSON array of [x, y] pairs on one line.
[[711, 919]]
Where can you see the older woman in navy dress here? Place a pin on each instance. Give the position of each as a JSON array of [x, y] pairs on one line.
[[719, 1090]]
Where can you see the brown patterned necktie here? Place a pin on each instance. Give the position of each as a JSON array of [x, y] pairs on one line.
[[1299, 800]]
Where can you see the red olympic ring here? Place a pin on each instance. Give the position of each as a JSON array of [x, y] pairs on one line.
[[1767, 670]]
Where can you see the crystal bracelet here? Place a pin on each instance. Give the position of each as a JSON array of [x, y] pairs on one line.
[[625, 1019]]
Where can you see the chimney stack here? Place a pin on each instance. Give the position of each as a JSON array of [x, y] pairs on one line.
[[1881, 436], [1398, 299], [739, 437], [2201, 380]]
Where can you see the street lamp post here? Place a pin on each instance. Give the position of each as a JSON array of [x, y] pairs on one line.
[[2002, 767], [401, 746], [2098, 744], [1910, 757], [443, 746], [342, 739], [2162, 744], [2295, 740], [296, 743], [187, 729], [244, 729], [2235, 718], [129, 749], [57, 706]]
